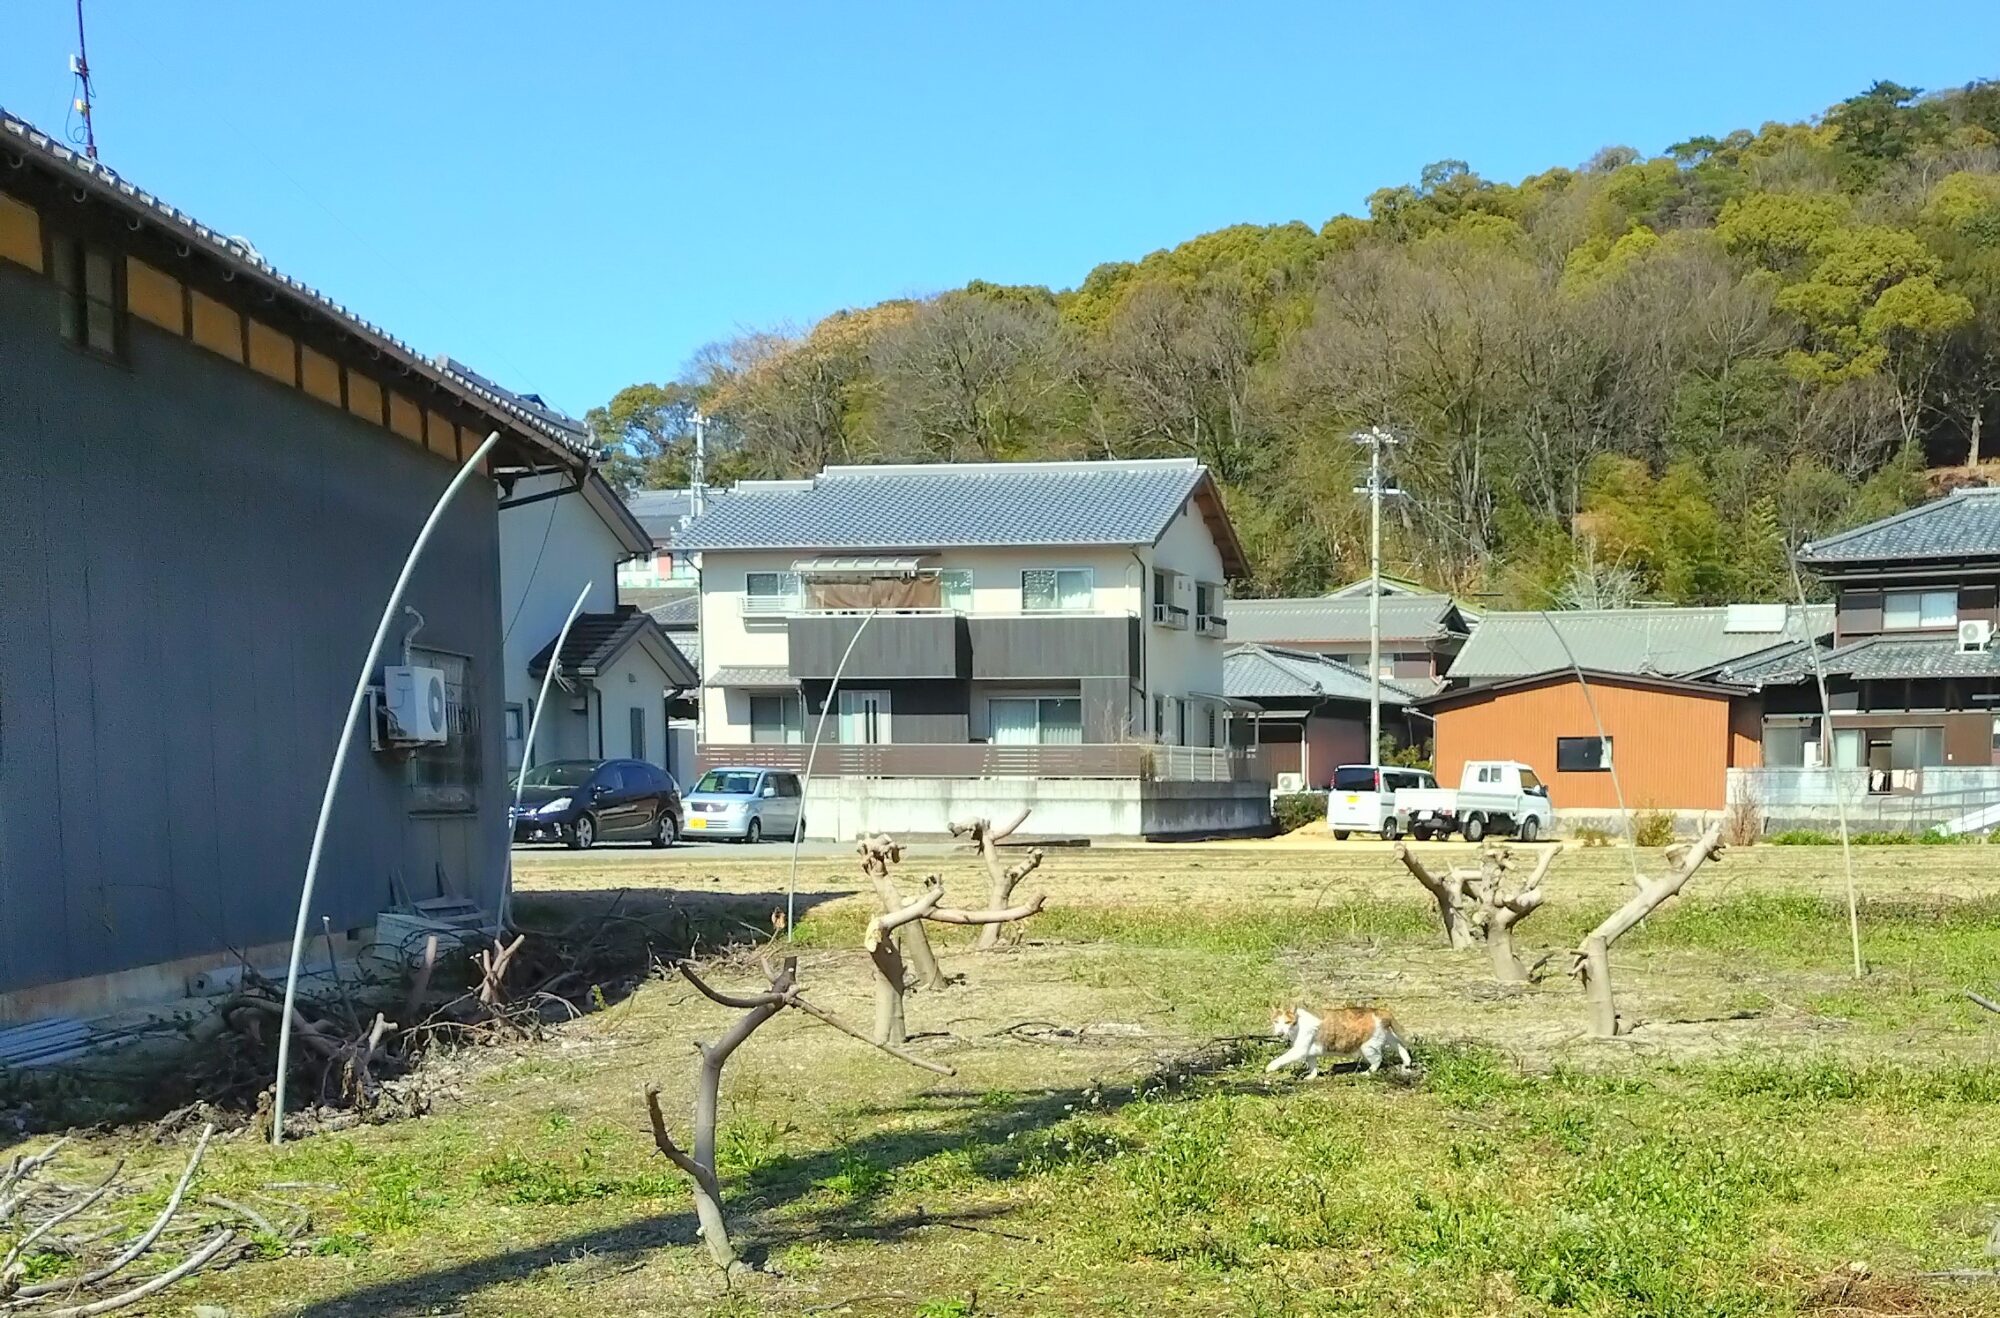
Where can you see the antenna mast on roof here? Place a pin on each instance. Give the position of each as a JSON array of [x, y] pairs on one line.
[[79, 65]]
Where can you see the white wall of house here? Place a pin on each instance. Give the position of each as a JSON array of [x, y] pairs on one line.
[[633, 689], [547, 551], [1185, 664]]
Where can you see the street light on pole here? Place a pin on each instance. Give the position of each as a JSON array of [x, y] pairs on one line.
[[1376, 438]]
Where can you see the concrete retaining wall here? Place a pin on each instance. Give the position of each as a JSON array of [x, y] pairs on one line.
[[839, 808]]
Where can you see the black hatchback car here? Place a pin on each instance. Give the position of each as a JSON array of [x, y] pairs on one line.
[[583, 802]]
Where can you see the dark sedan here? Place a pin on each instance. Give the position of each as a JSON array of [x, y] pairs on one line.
[[583, 802]]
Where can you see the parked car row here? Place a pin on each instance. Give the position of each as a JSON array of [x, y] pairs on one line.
[[580, 803], [1493, 796]]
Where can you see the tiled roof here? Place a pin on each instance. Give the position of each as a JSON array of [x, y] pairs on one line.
[[18, 136], [689, 644], [677, 613], [1780, 665], [596, 640], [751, 675], [1252, 672], [1341, 620], [662, 512], [1659, 642], [1892, 657], [948, 505], [1965, 524]]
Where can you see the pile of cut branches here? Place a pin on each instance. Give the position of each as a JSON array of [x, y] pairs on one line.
[[72, 1250]]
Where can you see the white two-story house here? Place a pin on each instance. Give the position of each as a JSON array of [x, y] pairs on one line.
[[1000, 631]]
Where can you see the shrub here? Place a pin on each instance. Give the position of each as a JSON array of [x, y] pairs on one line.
[[1298, 809], [1743, 823], [1802, 837], [1653, 828], [1592, 837]]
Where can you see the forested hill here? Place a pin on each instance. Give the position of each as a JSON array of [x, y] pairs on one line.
[[1641, 377]]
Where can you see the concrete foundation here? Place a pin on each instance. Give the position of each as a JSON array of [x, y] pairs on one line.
[[838, 808]]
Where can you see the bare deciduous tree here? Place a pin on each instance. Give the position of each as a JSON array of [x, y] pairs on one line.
[[1002, 878], [1591, 962], [890, 985], [878, 853], [969, 376], [1482, 904], [698, 1163]]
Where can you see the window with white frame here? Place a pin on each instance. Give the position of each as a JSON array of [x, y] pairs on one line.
[[1057, 590], [1035, 720], [770, 592], [1908, 610], [775, 721], [955, 590]]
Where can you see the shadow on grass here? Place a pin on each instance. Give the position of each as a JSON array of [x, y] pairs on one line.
[[860, 1173]]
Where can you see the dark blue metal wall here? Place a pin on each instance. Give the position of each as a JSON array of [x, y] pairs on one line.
[[192, 559]]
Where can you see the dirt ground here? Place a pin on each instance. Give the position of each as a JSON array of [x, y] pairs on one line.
[[1110, 1143]]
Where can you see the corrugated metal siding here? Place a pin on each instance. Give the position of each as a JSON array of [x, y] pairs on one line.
[[1746, 733], [195, 559], [1671, 748]]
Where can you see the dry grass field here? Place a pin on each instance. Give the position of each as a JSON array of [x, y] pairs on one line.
[[1775, 1137]]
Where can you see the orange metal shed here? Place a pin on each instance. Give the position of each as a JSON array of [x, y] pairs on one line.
[[1672, 741]]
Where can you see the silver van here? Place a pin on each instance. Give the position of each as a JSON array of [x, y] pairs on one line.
[[744, 804]]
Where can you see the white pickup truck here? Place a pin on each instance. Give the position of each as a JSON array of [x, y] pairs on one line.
[[1494, 796]]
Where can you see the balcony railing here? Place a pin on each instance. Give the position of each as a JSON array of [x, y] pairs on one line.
[[985, 760]]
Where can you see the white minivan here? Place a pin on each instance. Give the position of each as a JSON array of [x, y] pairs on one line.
[[1362, 799]]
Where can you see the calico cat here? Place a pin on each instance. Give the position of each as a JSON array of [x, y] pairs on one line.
[[1347, 1030]]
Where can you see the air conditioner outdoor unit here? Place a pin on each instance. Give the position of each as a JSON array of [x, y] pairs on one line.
[[413, 705], [1974, 635]]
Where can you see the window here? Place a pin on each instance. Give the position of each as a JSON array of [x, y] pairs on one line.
[[1160, 717], [1209, 712], [786, 783], [1996, 737], [92, 294], [1529, 782], [775, 721], [446, 778], [1162, 585], [1907, 610], [1354, 778], [1583, 754], [1058, 589], [636, 721], [770, 592], [516, 732], [1035, 720], [1791, 743], [955, 588]]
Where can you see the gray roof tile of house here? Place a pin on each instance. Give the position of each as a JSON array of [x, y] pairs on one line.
[[1893, 657], [1965, 524], [689, 644], [1659, 642], [238, 257], [664, 513], [751, 675], [947, 505], [1254, 672], [596, 640], [1779, 665], [1341, 620], [680, 613]]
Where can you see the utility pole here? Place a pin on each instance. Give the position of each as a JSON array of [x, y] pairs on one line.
[[1376, 438], [700, 471]]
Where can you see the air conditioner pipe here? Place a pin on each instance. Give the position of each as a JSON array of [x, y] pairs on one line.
[[410, 636], [354, 704]]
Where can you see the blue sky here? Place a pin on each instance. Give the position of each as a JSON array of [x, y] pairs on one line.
[[575, 196]]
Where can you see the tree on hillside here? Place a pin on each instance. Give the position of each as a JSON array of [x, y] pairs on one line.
[[1679, 364]]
